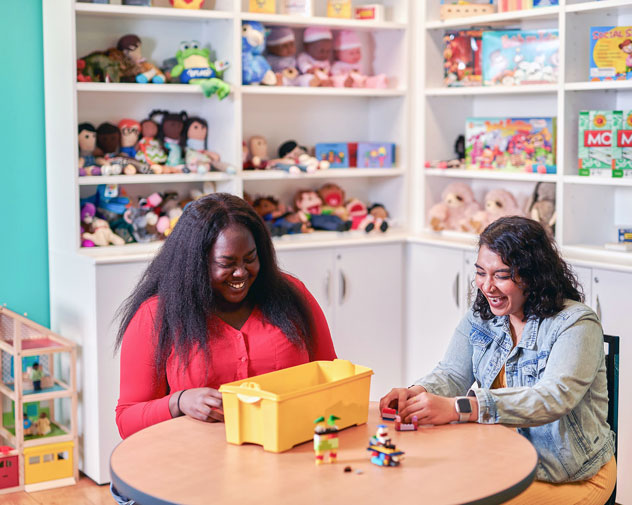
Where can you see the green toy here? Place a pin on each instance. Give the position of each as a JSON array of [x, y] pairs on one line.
[[195, 67]]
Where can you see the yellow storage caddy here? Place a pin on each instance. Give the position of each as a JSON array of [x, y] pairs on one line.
[[48, 462], [277, 409]]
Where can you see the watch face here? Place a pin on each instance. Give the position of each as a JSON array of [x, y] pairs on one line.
[[463, 405]]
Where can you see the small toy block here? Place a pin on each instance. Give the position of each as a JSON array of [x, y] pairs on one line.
[[389, 414], [399, 426]]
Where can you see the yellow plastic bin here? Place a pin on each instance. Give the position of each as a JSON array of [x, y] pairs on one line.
[[48, 462], [277, 409]]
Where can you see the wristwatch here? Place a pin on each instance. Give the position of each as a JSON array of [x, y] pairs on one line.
[[463, 408]]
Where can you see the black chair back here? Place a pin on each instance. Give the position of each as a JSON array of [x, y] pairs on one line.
[[612, 374]]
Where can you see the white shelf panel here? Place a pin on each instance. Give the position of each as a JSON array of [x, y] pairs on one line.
[[332, 173], [132, 87], [298, 21], [598, 256], [596, 6], [493, 90], [599, 86], [152, 178], [445, 238], [597, 181], [319, 91], [501, 17], [496, 175], [132, 11]]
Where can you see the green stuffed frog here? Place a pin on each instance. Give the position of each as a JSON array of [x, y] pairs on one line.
[[195, 67]]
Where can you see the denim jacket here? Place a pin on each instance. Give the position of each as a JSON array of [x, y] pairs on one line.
[[556, 393]]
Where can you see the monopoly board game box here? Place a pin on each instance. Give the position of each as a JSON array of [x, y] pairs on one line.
[[610, 53], [597, 147]]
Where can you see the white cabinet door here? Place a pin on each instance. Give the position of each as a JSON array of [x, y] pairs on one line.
[[584, 276], [314, 267], [468, 288], [613, 303], [369, 312], [434, 307]]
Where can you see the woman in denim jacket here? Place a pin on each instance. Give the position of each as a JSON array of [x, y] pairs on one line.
[[535, 354]]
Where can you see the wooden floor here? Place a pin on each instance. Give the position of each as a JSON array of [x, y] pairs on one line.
[[86, 492]]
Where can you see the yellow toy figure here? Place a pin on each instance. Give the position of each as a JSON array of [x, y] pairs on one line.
[[326, 439], [42, 425]]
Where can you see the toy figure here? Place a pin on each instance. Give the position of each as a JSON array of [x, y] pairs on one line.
[[98, 230], [170, 133], [294, 159], [28, 425], [277, 219], [456, 208], [281, 55], [103, 66], [194, 67], [541, 206], [309, 207], [42, 425], [326, 439], [383, 452], [346, 69], [333, 197], [149, 149], [254, 67], [108, 141], [87, 139], [130, 131], [412, 426], [36, 376], [256, 154], [498, 203], [378, 216], [198, 158], [314, 63], [140, 69]]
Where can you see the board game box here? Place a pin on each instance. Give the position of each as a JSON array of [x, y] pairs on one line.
[[610, 53]]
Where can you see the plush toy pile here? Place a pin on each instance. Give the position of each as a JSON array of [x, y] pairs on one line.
[[292, 157]]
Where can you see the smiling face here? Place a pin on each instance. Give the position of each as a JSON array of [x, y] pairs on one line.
[[234, 265], [493, 278]]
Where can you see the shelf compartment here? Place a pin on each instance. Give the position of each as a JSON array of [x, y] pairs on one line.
[[597, 181], [496, 175], [598, 6], [335, 23], [333, 173], [132, 11], [493, 90], [318, 91], [598, 256], [599, 86], [131, 87], [153, 178], [497, 18]]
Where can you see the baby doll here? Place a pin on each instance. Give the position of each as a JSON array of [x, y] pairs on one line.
[[281, 55], [498, 203], [258, 154], [314, 63], [346, 69], [142, 70], [130, 131], [198, 158], [309, 207], [456, 208], [149, 149], [87, 138]]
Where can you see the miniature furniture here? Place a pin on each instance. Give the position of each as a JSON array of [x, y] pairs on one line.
[[189, 462], [38, 427]]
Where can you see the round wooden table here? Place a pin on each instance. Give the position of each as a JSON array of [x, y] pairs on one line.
[[188, 462]]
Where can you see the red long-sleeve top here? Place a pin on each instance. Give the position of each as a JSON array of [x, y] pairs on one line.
[[257, 348]]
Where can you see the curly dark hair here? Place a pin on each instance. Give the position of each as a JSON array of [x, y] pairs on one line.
[[179, 276], [525, 248]]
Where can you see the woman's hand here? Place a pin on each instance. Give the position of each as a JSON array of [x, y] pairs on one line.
[[429, 409], [204, 404], [398, 397]]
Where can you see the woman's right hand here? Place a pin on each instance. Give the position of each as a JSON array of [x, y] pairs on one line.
[[204, 404], [397, 397]]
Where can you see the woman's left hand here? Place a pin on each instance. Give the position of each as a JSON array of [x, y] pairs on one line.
[[429, 409]]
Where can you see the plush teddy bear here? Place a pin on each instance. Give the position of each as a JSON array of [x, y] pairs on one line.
[[498, 203], [541, 206], [455, 209], [254, 67]]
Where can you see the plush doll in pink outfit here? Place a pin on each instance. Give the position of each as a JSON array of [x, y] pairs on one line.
[[346, 69], [456, 208], [314, 62], [498, 203]]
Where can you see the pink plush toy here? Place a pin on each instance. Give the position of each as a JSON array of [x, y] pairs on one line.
[[346, 69], [498, 203], [314, 62], [456, 208]]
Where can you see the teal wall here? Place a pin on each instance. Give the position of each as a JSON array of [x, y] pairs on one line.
[[23, 227]]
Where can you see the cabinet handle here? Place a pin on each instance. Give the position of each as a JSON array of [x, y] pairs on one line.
[[328, 287], [343, 287], [598, 306], [455, 290]]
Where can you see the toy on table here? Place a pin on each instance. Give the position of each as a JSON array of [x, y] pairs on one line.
[[541, 206], [309, 207], [456, 208], [198, 159], [149, 149], [281, 55], [375, 154], [187, 4], [412, 426], [256, 153], [610, 53], [130, 132], [36, 376], [461, 9], [254, 67], [498, 203], [194, 66], [333, 197], [98, 230], [278, 220], [142, 70], [87, 139], [326, 439], [346, 71], [389, 414], [462, 58], [314, 62], [520, 57], [383, 451], [294, 158]]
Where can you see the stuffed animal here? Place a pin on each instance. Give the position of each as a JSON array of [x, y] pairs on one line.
[[149, 149], [498, 203], [346, 70], [314, 62], [541, 206], [309, 207], [281, 55], [378, 218], [169, 135], [87, 139], [457, 206], [98, 230], [130, 133], [257, 154], [277, 219], [139, 68], [103, 66], [194, 66], [295, 159], [198, 158], [333, 197], [254, 67]]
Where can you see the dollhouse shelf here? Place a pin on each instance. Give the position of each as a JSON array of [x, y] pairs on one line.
[[153, 179], [597, 181], [131, 87], [493, 90], [599, 86], [148, 12], [332, 173], [336, 23], [596, 6], [496, 175], [320, 91], [501, 17]]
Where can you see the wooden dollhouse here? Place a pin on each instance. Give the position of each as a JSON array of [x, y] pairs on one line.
[[38, 406]]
